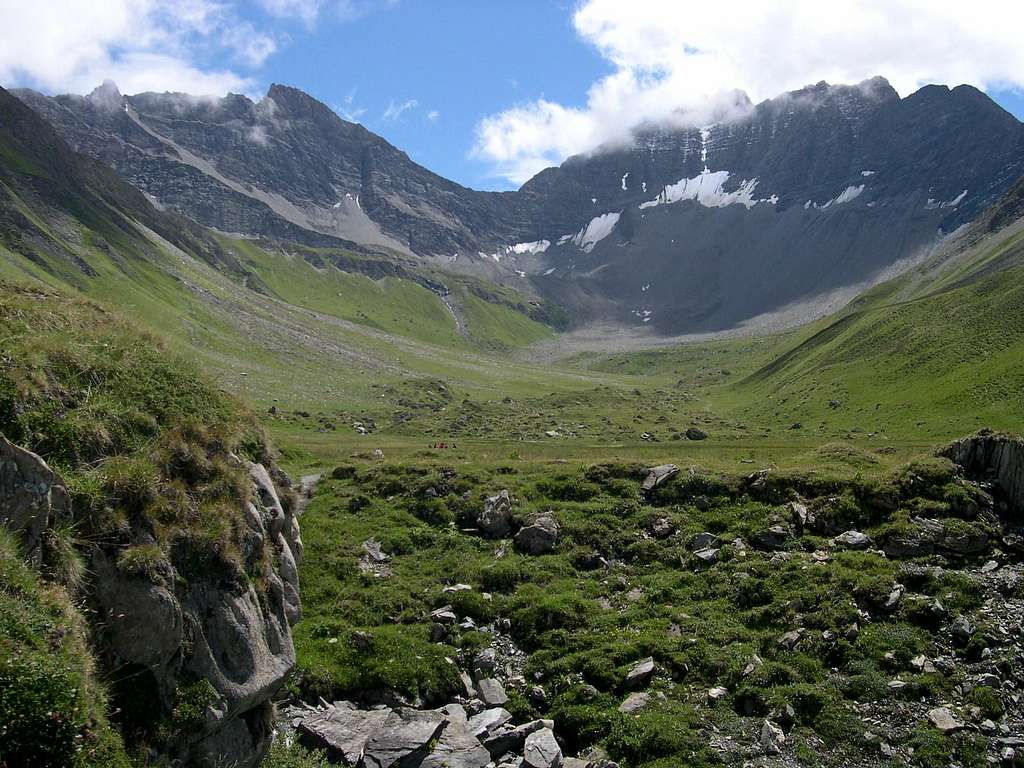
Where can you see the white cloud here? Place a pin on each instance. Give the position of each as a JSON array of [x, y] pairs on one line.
[[73, 45], [304, 10], [670, 56], [395, 111], [433, 115]]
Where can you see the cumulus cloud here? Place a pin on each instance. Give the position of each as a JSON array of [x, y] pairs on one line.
[[433, 115], [680, 59], [72, 45], [395, 111], [308, 11]]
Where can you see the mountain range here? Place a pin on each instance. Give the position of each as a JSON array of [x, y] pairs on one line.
[[776, 214]]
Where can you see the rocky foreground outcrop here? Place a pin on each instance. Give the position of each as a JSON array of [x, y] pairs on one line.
[[995, 458], [203, 639]]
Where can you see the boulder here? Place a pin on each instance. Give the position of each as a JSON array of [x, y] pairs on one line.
[[773, 738], [541, 750], [704, 541], [635, 702], [705, 558], [944, 720], [772, 538], [538, 537], [342, 730], [853, 540], [491, 692], [32, 497], [404, 733], [641, 673], [495, 520], [508, 739], [456, 747], [488, 722], [658, 475], [696, 433], [662, 528]]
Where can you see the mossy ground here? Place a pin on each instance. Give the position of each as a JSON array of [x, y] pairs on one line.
[[584, 626]]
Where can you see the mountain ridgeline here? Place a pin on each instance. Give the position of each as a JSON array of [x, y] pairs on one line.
[[771, 216]]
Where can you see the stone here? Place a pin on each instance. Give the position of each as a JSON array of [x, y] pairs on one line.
[[716, 694], [944, 720], [704, 541], [853, 540], [696, 433], [488, 721], [508, 739], [378, 454], [662, 528], [541, 750], [445, 615], [705, 558], [988, 455], [961, 630], [32, 498], [485, 662], [491, 692], [342, 730], [495, 521], [772, 538], [799, 514], [456, 747], [641, 673], [892, 603], [658, 475], [773, 739], [635, 702], [404, 732], [791, 639], [538, 537]]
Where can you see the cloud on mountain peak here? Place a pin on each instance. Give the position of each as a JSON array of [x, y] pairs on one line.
[[673, 57]]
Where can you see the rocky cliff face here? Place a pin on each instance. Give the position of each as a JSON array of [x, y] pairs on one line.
[[202, 649], [686, 229]]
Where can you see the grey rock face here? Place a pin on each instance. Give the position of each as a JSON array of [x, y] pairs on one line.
[[658, 475], [993, 456], [538, 537], [343, 730], [32, 497], [495, 520], [943, 719], [541, 750], [635, 702], [404, 732], [492, 692]]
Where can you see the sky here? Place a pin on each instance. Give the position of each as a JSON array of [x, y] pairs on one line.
[[488, 92]]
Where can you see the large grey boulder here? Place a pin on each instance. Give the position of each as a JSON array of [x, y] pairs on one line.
[[641, 673], [853, 540], [495, 520], [539, 537], [404, 733], [491, 692], [342, 730], [541, 750], [32, 497], [456, 747]]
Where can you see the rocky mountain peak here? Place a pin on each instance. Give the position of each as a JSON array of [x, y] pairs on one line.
[[106, 96]]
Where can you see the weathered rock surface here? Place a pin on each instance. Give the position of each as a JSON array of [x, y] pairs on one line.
[[495, 520], [539, 536], [992, 456], [658, 475], [32, 497], [541, 750], [404, 733]]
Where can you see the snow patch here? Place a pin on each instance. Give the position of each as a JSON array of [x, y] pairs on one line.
[[624, 177], [550, 271], [933, 205], [867, 173], [597, 230], [707, 189], [848, 194], [564, 239], [538, 246], [643, 185]]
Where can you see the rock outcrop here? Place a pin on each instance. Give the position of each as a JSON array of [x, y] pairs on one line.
[[993, 457], [175, 631], [32, 497]]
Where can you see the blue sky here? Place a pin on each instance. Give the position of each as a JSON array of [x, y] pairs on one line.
[[488, 92]]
